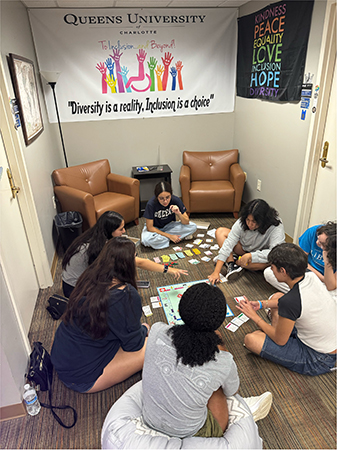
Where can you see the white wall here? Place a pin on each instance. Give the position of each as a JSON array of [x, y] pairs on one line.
[[272, 138], [44, 154]]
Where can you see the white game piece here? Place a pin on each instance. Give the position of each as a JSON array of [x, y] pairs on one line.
[[147, 311]]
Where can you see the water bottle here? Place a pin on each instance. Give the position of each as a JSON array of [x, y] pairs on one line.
[[31, 401]]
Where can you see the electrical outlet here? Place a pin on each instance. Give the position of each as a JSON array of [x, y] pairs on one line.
[[259, 183], [53, 200]]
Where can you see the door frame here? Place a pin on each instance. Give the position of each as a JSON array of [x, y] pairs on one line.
[[326, 64], [25, 197]]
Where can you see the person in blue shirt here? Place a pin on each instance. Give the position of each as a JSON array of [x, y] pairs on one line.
[[101, 341], [319, 243], [161, 227]]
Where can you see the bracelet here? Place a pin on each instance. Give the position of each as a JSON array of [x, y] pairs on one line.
[[166, 268], [260, 303]]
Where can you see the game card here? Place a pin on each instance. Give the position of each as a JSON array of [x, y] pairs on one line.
[[209, 240], [211, 233], [238, 299], [214, 247], [231, 327], [177, 249], [196, 251], [156, 259], [173, 256], [155, 299], [200, 235], [205, 258], [208, 253], [180, 255], [189, 245], [204, 246], [156, 305], [165, 258], [147, 311], [188, 252], [243, 317], [197, 241], [193, 261]]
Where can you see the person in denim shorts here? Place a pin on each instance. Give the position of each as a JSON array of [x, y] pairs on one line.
[[302, 334]]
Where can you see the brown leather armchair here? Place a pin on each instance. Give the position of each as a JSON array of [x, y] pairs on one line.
[[212, 182], [91, 190]]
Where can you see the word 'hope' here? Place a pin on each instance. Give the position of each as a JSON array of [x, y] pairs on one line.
[[270, 78]]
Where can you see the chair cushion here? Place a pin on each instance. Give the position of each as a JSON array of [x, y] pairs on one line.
[[210, 165], [124, 427], [211, 196], [90, 177], [112, 201]]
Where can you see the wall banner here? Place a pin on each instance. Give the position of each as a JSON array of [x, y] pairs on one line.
[[272, 47], [136, 63]]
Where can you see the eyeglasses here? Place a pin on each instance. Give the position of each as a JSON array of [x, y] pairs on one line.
[[162, 199]]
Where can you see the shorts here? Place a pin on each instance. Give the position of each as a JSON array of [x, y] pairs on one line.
[[80, 387], [298, 357], [210, 428]]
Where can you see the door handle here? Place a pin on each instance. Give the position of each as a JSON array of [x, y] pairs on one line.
[[14, 189], [323, 160]]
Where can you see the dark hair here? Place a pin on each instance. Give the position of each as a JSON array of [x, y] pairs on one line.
[[203, 309], [163, 186], [330, 244], [291, 257], [96, 237], [264, 215], [88, 302]]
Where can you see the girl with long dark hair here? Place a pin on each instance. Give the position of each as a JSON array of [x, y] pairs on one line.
[[161, 227], [86, 247], [100, 341], [251, 238]]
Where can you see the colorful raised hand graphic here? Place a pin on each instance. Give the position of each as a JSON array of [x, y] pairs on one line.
[[102, 68], [110, 65], [159, 71], [124, 73], [174, 78], [152, 65], [116, 57], [141, 74], [111, 81], [166, 61], [179, 66]]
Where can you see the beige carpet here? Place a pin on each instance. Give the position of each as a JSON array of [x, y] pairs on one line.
[[303, 415]]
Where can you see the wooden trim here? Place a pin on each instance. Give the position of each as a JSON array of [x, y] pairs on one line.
[[289, 239], [12, 412], [54, 264]]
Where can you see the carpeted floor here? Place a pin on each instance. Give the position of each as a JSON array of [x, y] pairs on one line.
[[303, 415]]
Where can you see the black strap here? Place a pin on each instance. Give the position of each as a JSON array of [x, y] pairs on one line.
[[51, 407]]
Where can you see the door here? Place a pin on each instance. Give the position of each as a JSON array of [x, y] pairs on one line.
[[16, 260], [324, 202]]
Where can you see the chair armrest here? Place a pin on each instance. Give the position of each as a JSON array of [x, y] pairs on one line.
[[237, 177], [72, 199], [185, 184], [123, 185]]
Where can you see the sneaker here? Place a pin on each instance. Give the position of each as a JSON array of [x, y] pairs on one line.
[[189, 237], [233, 271], [260, 405]]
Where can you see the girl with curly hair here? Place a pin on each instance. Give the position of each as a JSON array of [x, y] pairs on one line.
[[251, 238]]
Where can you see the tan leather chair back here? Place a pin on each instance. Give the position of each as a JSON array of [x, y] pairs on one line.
[[90, 177], [206, 166]]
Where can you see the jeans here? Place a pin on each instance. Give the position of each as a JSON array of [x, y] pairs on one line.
[[157, 241], [298, 357]]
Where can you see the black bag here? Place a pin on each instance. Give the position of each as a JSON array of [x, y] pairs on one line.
[[57, 306], [40, 373]]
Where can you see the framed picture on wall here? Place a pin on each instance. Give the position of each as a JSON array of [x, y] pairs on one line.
[[25, 88]]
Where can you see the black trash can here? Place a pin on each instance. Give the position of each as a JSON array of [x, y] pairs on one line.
[[69, 226]]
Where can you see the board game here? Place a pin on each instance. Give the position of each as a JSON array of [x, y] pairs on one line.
[[170, 297]]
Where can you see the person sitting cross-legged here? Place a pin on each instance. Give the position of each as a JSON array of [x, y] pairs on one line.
[[302, 334]]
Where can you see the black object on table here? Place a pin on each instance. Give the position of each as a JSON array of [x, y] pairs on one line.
[[153, 172]]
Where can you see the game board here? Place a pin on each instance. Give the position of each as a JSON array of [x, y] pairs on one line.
[[170, 297]]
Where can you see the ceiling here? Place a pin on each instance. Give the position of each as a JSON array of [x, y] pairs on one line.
[[134, 3]]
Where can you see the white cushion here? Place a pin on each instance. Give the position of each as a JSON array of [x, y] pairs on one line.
[[124, 428]]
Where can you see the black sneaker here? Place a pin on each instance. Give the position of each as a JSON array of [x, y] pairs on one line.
[[233, 271]]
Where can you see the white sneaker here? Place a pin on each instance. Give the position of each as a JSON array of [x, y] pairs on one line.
[[260, 405]]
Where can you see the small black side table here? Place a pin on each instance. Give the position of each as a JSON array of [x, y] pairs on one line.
[[153, 172]]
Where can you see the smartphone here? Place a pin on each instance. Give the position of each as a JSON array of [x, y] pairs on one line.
[[143, 284]]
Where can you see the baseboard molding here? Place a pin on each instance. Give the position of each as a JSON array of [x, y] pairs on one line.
[[12, 412]]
